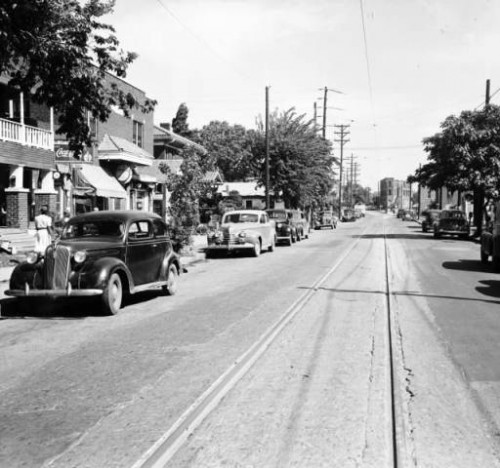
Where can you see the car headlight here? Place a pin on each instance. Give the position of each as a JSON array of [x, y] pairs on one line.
[[279, 225], [242, 234], [80, 256], [32, 258]]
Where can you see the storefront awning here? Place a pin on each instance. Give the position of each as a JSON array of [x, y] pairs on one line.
[[96, 177], [118, 149]]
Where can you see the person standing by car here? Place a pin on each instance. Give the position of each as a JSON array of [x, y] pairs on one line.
[[43, 225]]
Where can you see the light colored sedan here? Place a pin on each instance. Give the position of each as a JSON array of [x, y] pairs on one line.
[[241, 230]]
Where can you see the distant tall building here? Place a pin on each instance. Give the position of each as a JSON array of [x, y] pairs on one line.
[[394, 194]]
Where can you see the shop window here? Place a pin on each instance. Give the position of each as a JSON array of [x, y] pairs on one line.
[[138, 133]]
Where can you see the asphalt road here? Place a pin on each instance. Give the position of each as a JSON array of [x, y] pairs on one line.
[[81, 390]]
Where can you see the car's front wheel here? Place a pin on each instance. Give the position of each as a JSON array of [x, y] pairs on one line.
[[256, 249], [112, 295], [172, 285]]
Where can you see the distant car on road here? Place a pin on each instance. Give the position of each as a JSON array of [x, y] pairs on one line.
[[348, 215], [452, 223], [429, 219], [243, 230], [107, 254]]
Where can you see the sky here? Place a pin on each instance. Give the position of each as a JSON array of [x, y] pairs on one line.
[[394, 69]]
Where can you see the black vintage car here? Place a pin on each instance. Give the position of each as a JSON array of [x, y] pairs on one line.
[[106, 254], [452, 223], [286, 228]]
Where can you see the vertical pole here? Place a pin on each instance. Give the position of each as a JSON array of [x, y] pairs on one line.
[[268, 204], [419, 194], [341, 172], [351, 182], [324, 111], [315, 117], [487, 96]]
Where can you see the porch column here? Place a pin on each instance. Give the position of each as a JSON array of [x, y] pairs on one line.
[[16, 198], [46, 194]]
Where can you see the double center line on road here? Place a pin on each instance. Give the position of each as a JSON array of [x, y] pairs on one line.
[[166, 447]]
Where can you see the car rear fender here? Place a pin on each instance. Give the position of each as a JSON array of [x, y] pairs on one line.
[[167, 261]]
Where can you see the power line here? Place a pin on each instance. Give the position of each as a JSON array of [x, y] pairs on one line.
[[202, 41]]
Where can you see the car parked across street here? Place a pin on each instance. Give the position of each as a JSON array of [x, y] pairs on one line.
[[243, 230], [107, 254], [452, 223]]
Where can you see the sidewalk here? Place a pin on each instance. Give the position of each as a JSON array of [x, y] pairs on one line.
[[195, 254]]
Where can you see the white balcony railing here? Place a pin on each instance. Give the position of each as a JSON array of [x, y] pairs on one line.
[[26, 135]]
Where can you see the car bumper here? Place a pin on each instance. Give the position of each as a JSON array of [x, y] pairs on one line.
[[27, 292], [227, 247], [453, 232]]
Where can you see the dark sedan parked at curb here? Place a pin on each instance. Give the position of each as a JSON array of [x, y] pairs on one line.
[[452, 223], [286, 228], [107, 254]]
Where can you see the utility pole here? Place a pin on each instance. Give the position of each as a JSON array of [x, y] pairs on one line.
[[342, 133], [268, 201], [325, 98], [419, 194], [487, 97], [315, 117], [324, 111]]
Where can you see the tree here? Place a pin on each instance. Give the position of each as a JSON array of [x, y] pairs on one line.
[[300, 161], [228, 149], [179, 122], [186, 189], [465, 156], [61, 53]]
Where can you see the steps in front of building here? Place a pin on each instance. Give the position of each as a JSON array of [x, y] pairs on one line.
[[22, 240]]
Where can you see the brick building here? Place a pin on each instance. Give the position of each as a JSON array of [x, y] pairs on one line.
[[27, 158]]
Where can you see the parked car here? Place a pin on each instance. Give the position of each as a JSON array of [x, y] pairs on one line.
[[243, 230], [429, 219], [325, 219], [301, 223], [108, 254], [348, 215], [452, 223], [286, 229], [408, 215], [400, 213]]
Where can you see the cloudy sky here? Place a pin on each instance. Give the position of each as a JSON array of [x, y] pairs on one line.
[[412, 64]]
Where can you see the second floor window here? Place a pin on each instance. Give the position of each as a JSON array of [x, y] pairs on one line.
[[138, 133]]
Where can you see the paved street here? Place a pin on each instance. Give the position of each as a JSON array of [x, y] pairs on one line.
[[82, 390]]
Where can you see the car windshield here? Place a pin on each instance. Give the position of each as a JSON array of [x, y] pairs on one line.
[[241, 218], [86, 229], [277, 214]]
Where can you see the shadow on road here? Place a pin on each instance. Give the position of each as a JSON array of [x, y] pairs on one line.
[[491, 288], [394, 236], [418, 294], [65, 309], [468, 265]]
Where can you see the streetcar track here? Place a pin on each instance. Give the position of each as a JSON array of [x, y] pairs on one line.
[[172, 440]]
